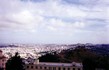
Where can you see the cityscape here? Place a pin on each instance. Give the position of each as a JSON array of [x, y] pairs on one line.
[[54, 34], [53, 56]]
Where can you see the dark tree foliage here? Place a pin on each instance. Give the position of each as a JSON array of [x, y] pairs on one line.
[[89, 64], [1, 68], [49, 58], [15, 63], [103, 63]]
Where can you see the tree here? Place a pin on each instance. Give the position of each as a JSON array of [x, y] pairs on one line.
[[49, 57], [1, 68], [15, 63], [89, 64]]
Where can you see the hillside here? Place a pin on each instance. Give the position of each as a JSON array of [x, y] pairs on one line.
[[92, 57]]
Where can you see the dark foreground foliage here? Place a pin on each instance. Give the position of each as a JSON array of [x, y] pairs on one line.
[[15, 63]]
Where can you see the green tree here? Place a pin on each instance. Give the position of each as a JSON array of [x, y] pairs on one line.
[[15, 63], [49, 57]]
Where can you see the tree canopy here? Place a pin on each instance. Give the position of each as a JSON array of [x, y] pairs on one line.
[[15, 63]]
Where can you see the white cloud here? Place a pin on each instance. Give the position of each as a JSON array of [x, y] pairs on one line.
[[30, 15], [79, 24], [52, 15]]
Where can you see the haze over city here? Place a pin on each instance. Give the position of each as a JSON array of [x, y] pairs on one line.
[[54, 21]]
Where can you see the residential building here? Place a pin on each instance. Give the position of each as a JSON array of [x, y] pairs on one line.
[[54, 66], [3, 60]]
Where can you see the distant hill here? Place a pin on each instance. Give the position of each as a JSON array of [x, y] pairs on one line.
[[92, 56]]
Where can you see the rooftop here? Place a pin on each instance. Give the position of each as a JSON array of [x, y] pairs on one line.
[[61, 64]]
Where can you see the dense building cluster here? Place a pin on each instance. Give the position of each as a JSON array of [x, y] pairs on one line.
[[3, 60], [26, 50]]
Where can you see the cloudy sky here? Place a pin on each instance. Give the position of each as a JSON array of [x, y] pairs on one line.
[[54, 21]]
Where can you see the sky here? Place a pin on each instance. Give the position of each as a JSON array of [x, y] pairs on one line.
[[54, 21]]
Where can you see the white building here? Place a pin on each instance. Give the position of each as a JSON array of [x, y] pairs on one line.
[[54, 66], [3, 60]]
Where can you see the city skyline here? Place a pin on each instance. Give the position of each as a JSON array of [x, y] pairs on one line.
[[54, 21]]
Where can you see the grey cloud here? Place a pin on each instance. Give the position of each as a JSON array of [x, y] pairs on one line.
[[33, 0], [9, 24], [96, 24], [87, 3], [90, 18]]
